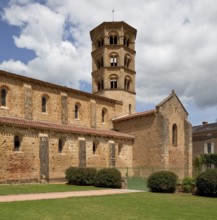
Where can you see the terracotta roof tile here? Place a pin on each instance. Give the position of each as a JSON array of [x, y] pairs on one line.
[[64, 128], [135, 115]]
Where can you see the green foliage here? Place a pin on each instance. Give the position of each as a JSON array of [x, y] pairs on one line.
[[162, 181], [188, 184], [205, 159], [108, 177], [80, 175], [207, 183]]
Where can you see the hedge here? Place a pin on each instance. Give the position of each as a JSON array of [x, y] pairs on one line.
[[162, 181]]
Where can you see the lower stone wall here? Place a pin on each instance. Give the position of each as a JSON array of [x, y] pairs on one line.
[[29, 164]]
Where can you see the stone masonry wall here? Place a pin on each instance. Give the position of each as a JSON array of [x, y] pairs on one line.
[[179, 154], [25, 101], [25, 165]]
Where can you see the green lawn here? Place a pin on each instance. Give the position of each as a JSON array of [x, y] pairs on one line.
[[136, 206], [40, 188], [137, 183]]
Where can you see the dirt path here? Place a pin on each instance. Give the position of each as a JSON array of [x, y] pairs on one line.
[[59, 195]]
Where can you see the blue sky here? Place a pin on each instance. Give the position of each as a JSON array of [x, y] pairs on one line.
[[176, 46]]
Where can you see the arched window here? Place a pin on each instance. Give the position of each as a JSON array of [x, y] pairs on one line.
[[44, 100], [60, 146], [113, 60], [100, 85], [77, 111], [3, 97], [100, 42], [127, 60], [127, 81], [174, 135], [113, 82], [113, 39], [99, 63], [126, 41], [104, 115], [16, 143]]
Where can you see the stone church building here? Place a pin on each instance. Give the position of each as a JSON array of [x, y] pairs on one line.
[[46, 128]]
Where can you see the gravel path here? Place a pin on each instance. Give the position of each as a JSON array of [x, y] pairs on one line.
[[59, 195]]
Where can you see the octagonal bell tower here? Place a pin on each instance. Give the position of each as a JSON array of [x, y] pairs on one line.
[[113, 63]]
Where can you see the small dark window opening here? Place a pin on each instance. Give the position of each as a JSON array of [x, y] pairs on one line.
[[111, 39], [113, 83], [103, 116], [102, 84], [94, 148], [128, 42], [3, 97], [76, 111], [60, 146], [115, 39], [44, 104], [130, 108], [98, 64], [101, 62], [174, 135], [16, 143], [98, 86]]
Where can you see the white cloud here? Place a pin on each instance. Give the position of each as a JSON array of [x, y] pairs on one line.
[[176, 43], [12, 65]]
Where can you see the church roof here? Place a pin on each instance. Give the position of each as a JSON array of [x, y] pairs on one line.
[[134, 115], [173, 93], [64, 128], [204, 128], [113, 23], [52, 85]]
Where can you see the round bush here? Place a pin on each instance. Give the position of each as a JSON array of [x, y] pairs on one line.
[[80, 175], [162, 181], [206, 183], [108, 177]]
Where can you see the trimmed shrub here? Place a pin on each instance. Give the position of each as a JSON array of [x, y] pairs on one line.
[[162, 181], [108, 177], [206, 183], [80, 175], [188, 184]]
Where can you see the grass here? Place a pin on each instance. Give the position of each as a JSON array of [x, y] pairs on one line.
[[137, 183], [133, 206], [41, 188]]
